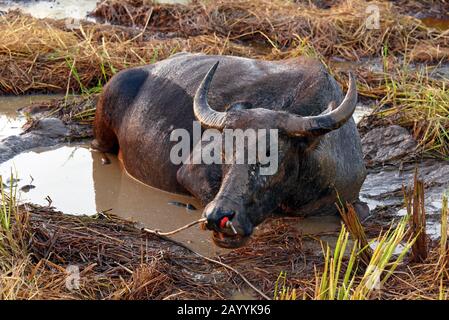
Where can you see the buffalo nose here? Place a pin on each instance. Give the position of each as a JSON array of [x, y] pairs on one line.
[[227, 221]]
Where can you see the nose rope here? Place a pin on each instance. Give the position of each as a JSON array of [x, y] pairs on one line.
[[224, 223], [159, 233], [226, 266]]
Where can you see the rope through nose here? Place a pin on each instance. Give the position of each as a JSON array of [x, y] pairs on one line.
[[191, 224]]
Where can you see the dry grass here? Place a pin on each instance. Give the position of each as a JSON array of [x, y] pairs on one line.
[[412, 98], [40, 55], [340, 32], [118, 261], [399, 276], [421, 105]]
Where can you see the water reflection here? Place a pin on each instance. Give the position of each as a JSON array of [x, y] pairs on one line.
[[11, 121]]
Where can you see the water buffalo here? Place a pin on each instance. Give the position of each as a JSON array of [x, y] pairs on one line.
[[319, 150]]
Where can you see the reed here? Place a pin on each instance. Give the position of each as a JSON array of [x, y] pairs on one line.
[[352, 222], [42, 56], [14, 259], [414, 202], [281, 290], [352, 282], [332, 284]]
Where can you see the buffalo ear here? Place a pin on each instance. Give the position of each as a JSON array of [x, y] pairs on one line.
[[240, 105]]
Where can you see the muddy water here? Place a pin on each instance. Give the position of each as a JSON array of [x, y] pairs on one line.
[[74, 180], [11, 121]]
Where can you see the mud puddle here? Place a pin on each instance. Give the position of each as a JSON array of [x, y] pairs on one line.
[[383, 191], [11, 120], [74, 180]]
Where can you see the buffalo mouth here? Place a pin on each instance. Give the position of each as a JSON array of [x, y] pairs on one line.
[[227, 241]]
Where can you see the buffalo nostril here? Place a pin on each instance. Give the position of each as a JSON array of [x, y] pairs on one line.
[[218, 219], [225, 223]]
